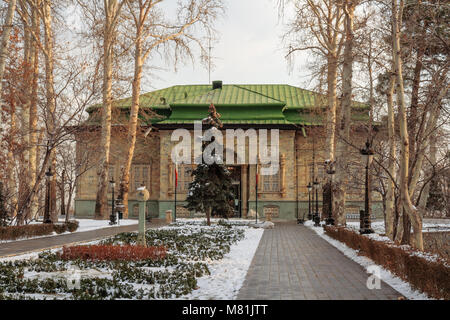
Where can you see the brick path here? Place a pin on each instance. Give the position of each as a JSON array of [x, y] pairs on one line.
[[293, 263], [24, 246]]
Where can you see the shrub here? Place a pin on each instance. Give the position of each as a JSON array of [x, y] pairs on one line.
[[60, 228], [35, 230], [431, 276], [26, 231], [111, 252], [72, 225]]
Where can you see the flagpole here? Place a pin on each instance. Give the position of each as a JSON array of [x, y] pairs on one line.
[[256, 189], [176, 187]]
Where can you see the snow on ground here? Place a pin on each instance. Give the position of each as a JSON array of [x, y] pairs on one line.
[[228, 274], [91, 224], [395, 282], [84, 225], [378, 226]]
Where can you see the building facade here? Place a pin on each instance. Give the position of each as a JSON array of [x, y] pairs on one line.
[[297, 113]]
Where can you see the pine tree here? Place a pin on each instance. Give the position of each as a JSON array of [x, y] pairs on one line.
[[211, 191]]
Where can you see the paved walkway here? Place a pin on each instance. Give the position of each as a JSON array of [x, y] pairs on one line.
[[293, 263], [24, 246]]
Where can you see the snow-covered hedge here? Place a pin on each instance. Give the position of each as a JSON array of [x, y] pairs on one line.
[[425, 272]]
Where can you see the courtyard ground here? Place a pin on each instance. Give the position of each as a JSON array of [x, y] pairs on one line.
[[289, 262]]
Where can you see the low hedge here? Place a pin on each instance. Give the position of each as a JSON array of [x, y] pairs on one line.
[[431, 277], [35, 230]]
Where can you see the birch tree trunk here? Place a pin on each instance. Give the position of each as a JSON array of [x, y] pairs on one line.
[[390, 196], [132, 127], [112, 10], [12, 181], [332, 63], [24, 117], [33, 111], [7, 27], [344, 124], [405, 199], [51, 103]]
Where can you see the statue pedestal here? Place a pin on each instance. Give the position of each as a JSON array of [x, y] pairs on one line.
[[169, 216], [143, 196]]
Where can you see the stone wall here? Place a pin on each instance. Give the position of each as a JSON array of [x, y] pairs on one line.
[[146, 154]]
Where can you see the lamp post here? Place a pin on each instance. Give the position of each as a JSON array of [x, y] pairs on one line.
[[256, 191], [330, 169], [309, 186], [48, 202], [112, 217], [367, 153], [316, 213]]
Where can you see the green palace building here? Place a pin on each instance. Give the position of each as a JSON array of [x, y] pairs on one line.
[[298, 114]]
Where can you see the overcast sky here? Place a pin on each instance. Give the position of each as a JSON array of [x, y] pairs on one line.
[[249, 51]]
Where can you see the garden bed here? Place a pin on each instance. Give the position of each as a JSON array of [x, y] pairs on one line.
[[190, 247]]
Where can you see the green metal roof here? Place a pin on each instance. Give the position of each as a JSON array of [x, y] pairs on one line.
[[238, 104], [228, 95]]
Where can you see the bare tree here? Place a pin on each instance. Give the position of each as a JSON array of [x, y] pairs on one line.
[[7, 27], [339, 187], [317, 27], [154, 31], [112, 11], [405, 199]]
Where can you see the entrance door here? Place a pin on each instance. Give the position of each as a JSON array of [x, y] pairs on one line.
[[237, 201], [236, 177]]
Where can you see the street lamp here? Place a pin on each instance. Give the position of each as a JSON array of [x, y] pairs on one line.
[[48, 203], [316, 213], [367, 153], [331, 170], [309, 186], [112, 217]]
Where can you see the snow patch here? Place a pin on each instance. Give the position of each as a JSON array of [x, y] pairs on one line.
[[228, 274]]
